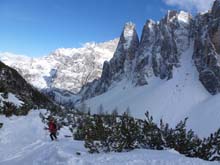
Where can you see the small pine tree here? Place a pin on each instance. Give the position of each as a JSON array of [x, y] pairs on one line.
[[9, 109], [215, 151], [111, 118], [205, 149], [152, 136], [166, 133], [128, 131], [90, 138], [113, 140], [192, 144], [82, 123], [186, 142], [180, 136]]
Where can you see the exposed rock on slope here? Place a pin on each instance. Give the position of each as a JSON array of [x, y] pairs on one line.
[[161, 46]]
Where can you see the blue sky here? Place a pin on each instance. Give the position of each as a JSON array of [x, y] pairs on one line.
[[37, 27]]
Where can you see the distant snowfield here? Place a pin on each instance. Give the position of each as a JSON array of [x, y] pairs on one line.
[[172, 100], [23, 141]]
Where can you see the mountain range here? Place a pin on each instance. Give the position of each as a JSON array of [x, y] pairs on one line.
[[63, 72]]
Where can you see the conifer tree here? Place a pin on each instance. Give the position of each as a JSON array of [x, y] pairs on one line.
[[152, 136], [215, 151], [90, 142], [9, 108], [180, 136], [124, 135], [186, 142], [82, 125], [205, 149]]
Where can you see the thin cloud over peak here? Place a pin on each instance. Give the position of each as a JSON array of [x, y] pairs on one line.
[[198, 5]]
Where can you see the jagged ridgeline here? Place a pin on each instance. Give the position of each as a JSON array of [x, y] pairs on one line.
[[160, 48], [16, 95]]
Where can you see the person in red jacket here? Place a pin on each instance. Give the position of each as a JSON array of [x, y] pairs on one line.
[[53, 129]]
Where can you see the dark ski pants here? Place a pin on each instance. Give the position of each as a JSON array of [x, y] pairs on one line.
[[53, 136]]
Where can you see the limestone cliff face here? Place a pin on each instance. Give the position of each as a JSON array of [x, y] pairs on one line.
[[161, 46], [207, 48]]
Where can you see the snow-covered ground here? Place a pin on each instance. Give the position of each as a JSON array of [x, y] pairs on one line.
[[23, 141]]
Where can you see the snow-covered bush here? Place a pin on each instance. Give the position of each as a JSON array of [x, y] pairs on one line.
[[112, 132]]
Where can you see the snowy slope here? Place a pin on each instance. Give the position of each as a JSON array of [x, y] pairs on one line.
[[27, 143], [173, 100]]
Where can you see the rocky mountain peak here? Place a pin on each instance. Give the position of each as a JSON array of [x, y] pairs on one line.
[[126, 49], [129, 28], [150, 23], [171, 14], [184, 17], [128, 36], [129, 31]]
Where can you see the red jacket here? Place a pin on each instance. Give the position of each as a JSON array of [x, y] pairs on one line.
[[52, 127]]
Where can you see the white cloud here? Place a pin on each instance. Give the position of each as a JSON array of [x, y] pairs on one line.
[[199, 5]]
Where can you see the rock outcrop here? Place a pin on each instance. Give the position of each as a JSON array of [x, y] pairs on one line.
[[161, 46], [207, 48]]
